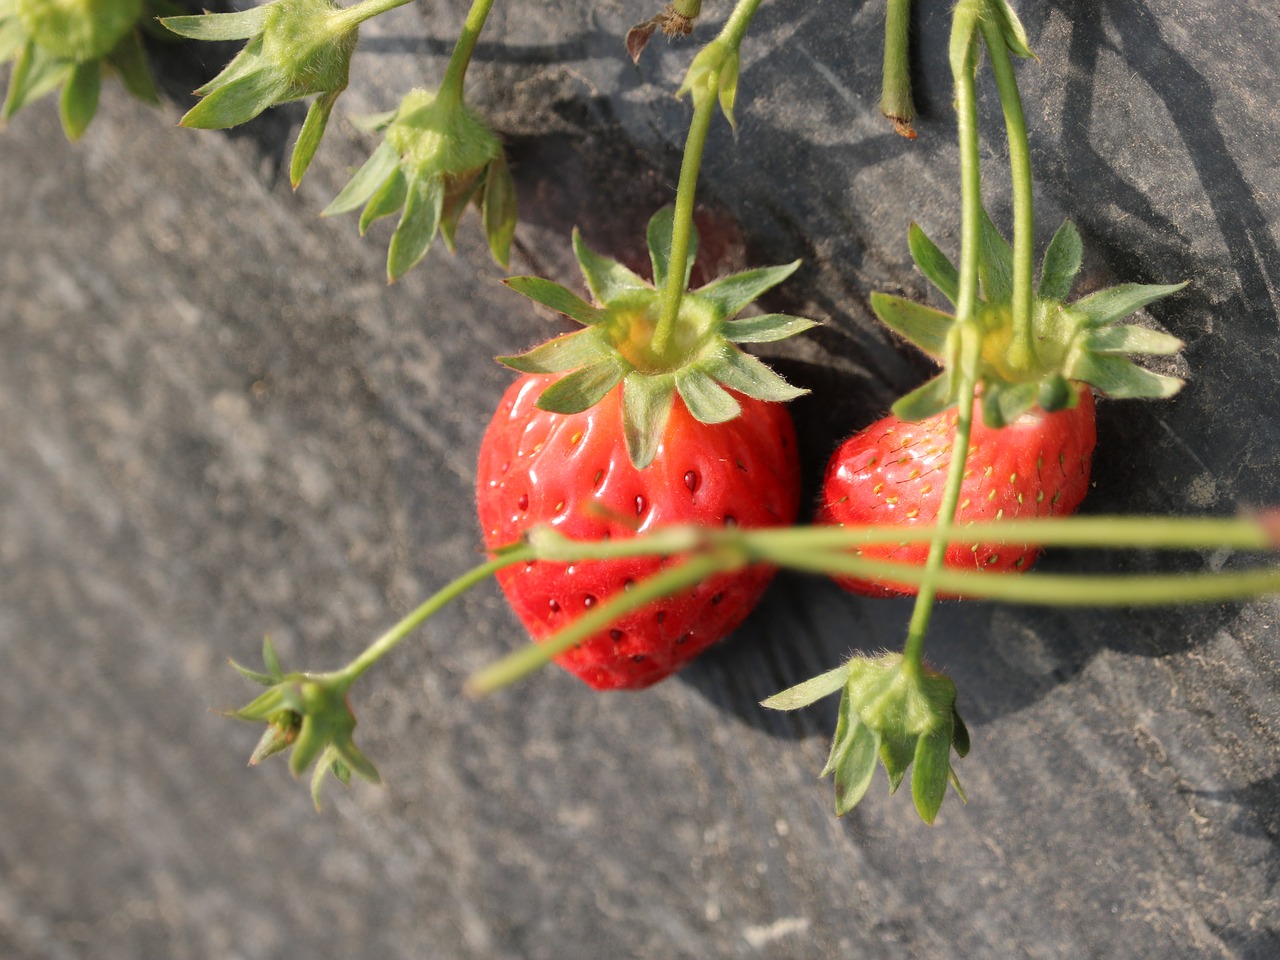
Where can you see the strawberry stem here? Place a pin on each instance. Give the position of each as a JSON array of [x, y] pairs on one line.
[[895, 92], [455, 74]]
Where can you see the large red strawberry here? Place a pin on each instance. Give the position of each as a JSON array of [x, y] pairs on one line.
[[616, 430], [894, 471], [573, 473], [1033, 433]]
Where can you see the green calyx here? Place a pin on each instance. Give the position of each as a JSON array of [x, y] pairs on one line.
[[308, 713], [891, 714], [78, 30], [436, 157], [1079, 342], [701, 362]]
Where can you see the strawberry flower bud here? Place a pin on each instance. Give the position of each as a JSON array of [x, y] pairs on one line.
[[435, 158]]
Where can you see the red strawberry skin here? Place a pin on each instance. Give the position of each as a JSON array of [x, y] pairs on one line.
[[573, 473], [894, 472]]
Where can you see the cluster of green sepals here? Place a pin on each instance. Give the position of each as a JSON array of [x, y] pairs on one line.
[[702, 362], [1078, 342], [68, 45]]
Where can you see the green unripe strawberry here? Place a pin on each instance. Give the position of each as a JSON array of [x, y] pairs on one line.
[[78, 30]]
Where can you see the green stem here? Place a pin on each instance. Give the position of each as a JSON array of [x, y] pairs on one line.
[[428, 608], [704, 106], [456, 72], [895, 92], [361, 12], [1022, 349]]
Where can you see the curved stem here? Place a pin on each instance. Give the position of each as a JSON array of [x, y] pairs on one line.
[[456, 72], [1022, 349]]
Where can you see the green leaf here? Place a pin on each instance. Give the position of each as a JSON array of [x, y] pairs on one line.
[[933, 263], [766, 328], [584, 388], [959, 739], [498, 210], [270, 659], [459, 193], [706, 400], [995, 263], [373, 174], [263, 678], [1061, 263], [34, 74], [730, 294], [923, 326], [12, 37], [606, 279], [1015, 35], [569, 352], [1120, 379], [646, 405], [931, 771], [1056, 394], [896, 753], [729, 72], [856, 766], [658, 238], [810, 691], [79, 101], [417, 226], [965, 21], [386, 200], [1132, 339], [1107, 306], [744, 373], [220, 26], [248, 61], [558, 298], [1004, 403], [310, 135], [928, 400], [846, 716], [236, 102]]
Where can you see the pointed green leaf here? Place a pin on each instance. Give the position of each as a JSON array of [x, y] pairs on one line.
[[236, 102], [810, 691], [1132, 339], [746, 374], [1107, 306], [79, 101], [855, 766], [372, 175], [262, 678], [705, 399], [12, 37], [245, 63], [646, 405], [1005, 403], [498, 210], [456, 198], [766, 328], [730, 294], [558, 298], [375, 122], [317, 778], [959, 736], [1120, 379], [313, 740], [1056, 394], [130, 62], [995, 264], [729, 72], [267, 704], [310, 135], [584, 388], [569, 352], [386, 200], [931, 770], [896, 753], [1061, 263], [933, 263], [658, 238], [955, 783], [1015, 35], [417, 226], [270, 659], [923, 326], [220, 26], [351, 757], [927, 400], [606, 279], [34, 74]]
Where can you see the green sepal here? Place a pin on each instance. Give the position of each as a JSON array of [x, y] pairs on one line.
[[569, 352], [728, 89], [706, 400], [923, 326], [646, 405], [995, 263], [845, 717], [313, 127], [1056, 393], [1107, 306], [896, 753], [13, 37], [1004, 403], [730, 294], [79, 100], [129, 61], [746, 374], [499, 210], [1132, 340], [928, 400], [35, 73], [931, 771], [236, 102], [558, 298], [417, 226], [585, 387], [607, 279], [457, 197], [658, 239], [1011, 28], [1120, 379], [933, 263], [810, 691], [275, 738], [1061, 264], [959, 738], [386, 200], [220, 26], [855, 765], [372, 175], [766, 328], [965, 24]]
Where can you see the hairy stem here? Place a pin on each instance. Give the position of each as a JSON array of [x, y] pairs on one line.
[[455, 74], [895, 92]]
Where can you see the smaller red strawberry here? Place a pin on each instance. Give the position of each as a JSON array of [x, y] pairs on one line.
[[894, 471]]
